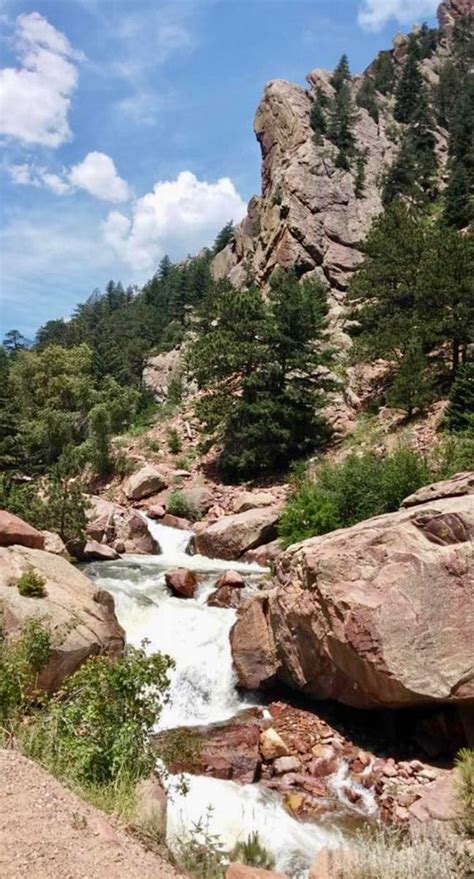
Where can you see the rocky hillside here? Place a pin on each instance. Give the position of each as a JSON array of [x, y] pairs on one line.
[[312, 214]]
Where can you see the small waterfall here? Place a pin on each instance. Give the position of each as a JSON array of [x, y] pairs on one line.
[[239, 810]]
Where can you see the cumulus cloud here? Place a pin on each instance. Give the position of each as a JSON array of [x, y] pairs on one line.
[[177, 217], [374, 14], [35, 97], [97, 174]]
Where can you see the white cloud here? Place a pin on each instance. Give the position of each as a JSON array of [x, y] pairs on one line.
[[177, 217], [35, 97], [97, 174], [374, 14]]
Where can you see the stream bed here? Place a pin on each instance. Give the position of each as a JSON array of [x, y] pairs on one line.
[[203, 691]]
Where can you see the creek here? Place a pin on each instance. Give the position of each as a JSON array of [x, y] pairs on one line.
[[203, 691]]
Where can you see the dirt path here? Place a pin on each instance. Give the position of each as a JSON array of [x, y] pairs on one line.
[[47, 831]]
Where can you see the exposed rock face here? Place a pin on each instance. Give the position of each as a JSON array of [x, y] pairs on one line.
[[81, 617], [14, 530], [250, 500], [161, 371], [99, 552], [145, 482], [456, 486], [308, 215], [53, 543], [231, 536], [224, 750], [380, 614]]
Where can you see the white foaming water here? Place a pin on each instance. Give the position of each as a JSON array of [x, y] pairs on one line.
[[196, 636], [239, 810], [203, 691]]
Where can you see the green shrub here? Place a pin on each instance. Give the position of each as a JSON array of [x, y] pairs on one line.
[[178, 505], [174, 441], [252, 853], [96, 730], [361, 486], [31, 584], [21, 660], [465, 790], [201, 852]]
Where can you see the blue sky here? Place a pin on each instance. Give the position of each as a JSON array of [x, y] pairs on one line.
[[126, 127]]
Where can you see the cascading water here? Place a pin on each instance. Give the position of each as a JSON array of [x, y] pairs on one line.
[[203, 691]]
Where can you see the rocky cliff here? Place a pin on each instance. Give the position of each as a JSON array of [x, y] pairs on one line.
[[310, 214]]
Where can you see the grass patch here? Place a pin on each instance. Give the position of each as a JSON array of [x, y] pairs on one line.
[[386, 854], [178, 505], [31, 584]]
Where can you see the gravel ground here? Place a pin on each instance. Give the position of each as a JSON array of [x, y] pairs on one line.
[[47, 831]]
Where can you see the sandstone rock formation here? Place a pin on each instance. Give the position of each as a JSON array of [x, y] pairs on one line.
[[380, 614], [14, 530], [81, 618], [124, 529], [161, 371], [250, 500], [309, 215], [145, 482], [230, 536]]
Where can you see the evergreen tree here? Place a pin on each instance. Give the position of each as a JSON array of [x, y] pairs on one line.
[[386, 285], [458, 199], [225, 237], [460, 412], [383, 72], [317, 116], [13, 341], [366, 97], [412, 173], [258, 363], [342, 74], [411, 388], [340, 129], [359, 181], [408, 90]]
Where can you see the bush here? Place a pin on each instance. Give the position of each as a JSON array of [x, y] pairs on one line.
[[465, 790], [174, 441], [361, 486], [31, 584], [385, 854], [21, 660], [202, 853], [178, 505], [97, 729], [252, 853]]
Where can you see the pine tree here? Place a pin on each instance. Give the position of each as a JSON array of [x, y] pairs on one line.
[[258, 363], [458, 199], [411, 388], [459, 414], [383, 72], [225, 237], [342, 73], [317, 115], [13, 341], [340, 129], [366, 97], [359, 181], [412, 173], [408, 90]]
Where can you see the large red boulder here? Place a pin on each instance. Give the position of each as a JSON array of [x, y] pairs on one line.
[[230, 536], [377, 615], [14, 530], [182, 582]]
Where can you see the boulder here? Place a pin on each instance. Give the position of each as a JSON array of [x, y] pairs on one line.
[[54, 544], [377, 615], [264, 555], [227, 750], [272, 745], [151, 806], [14, 531], [182, 582], [457, 486], [282, 765], [99, 552], [146, 481], [249, 500], [437, 802], [225, 596], [230, 579], [176, 522], [331, 864], [156, 511], [230, 536], [132, 529], [80, 616], [198, 497]]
